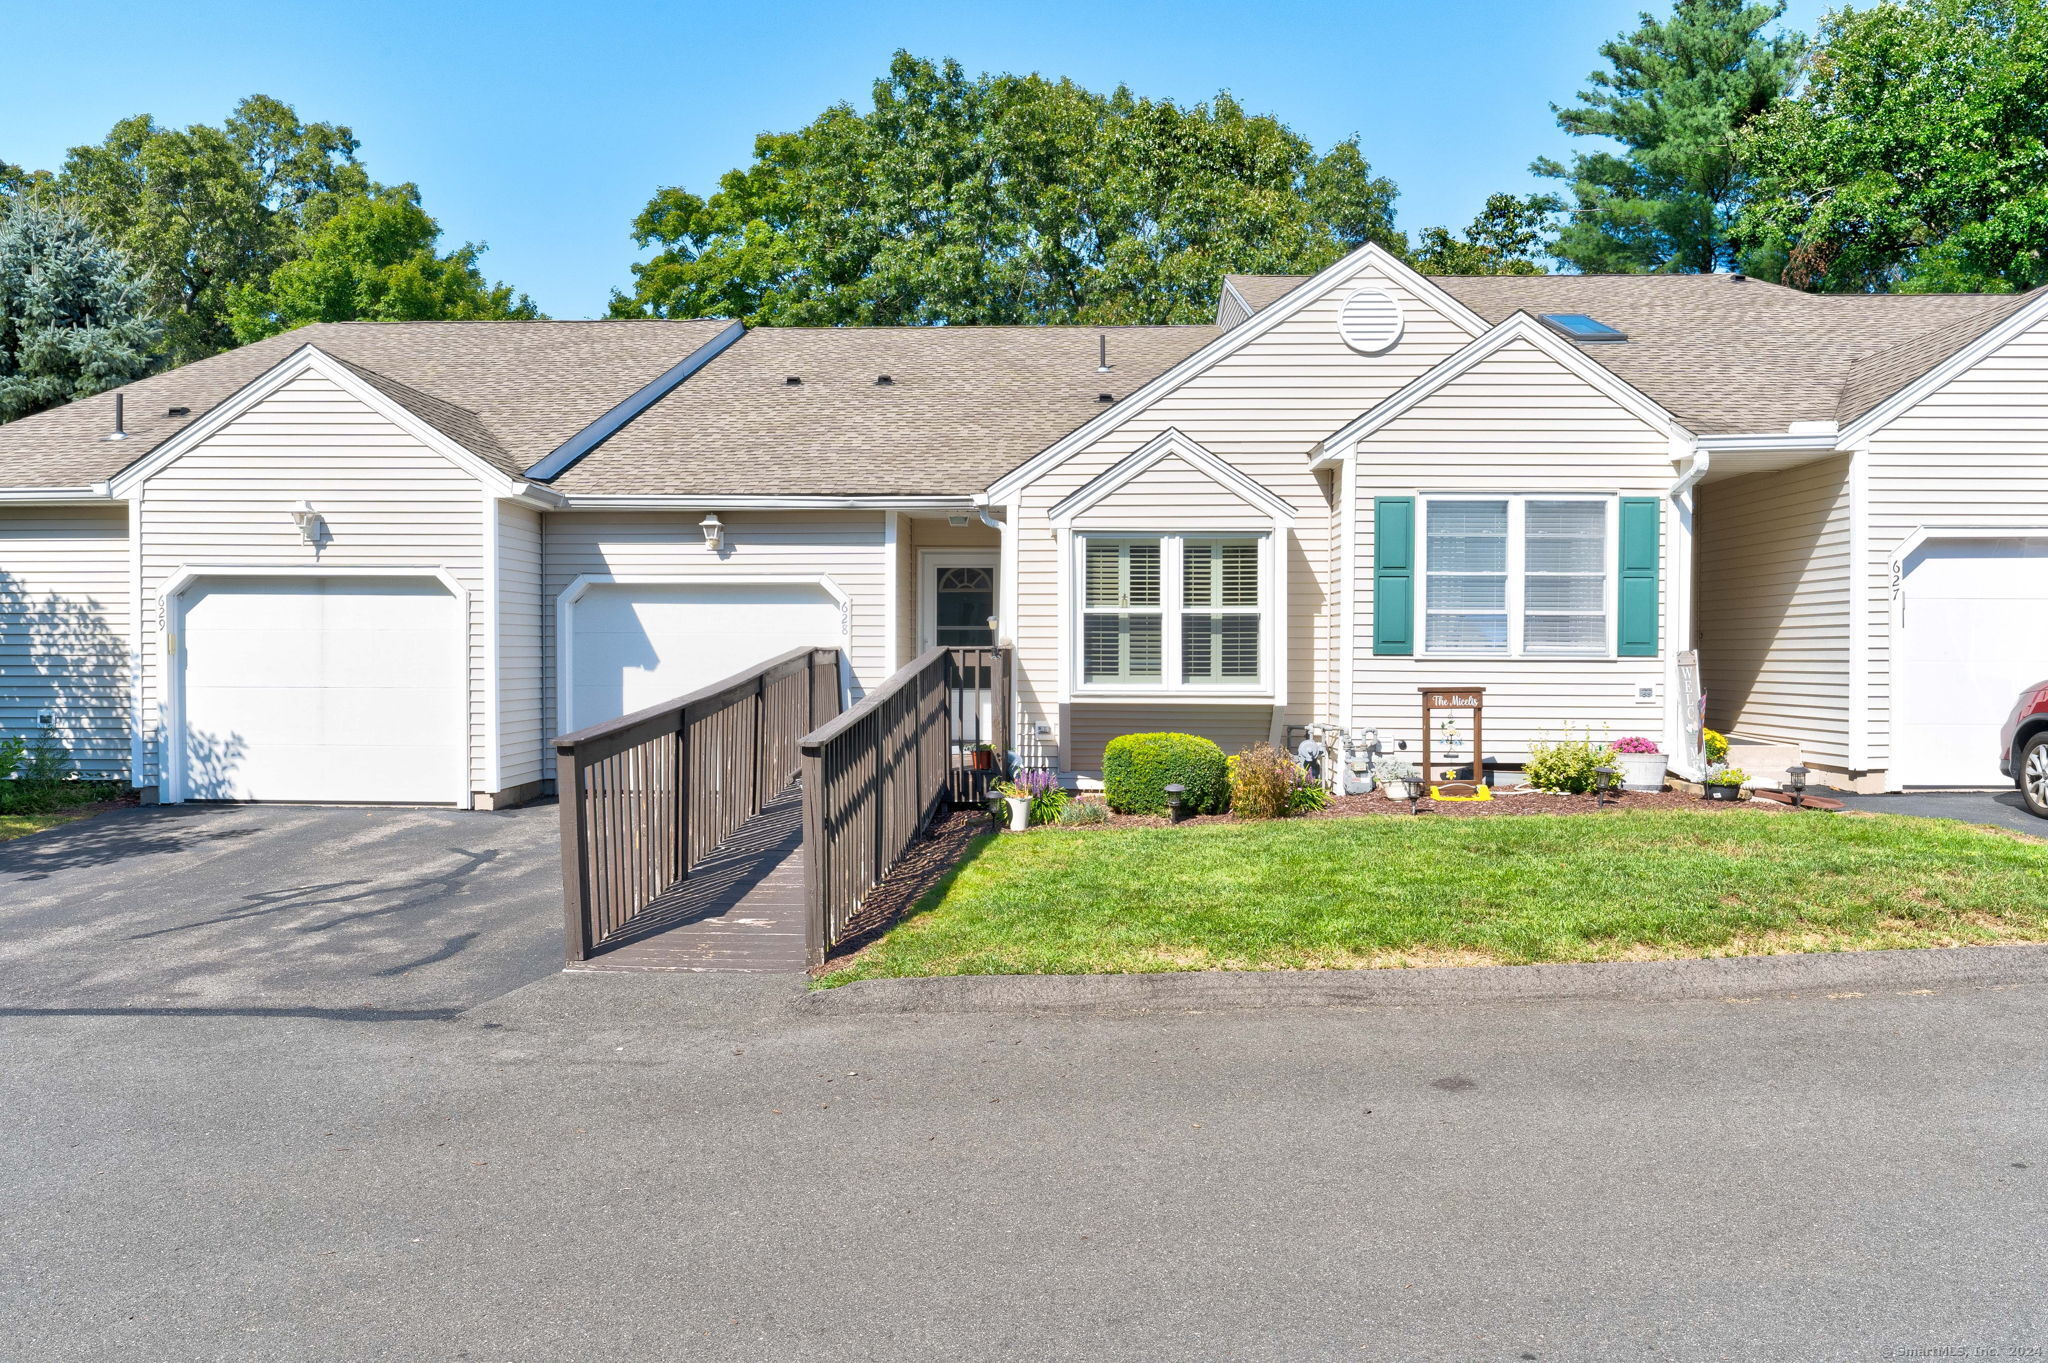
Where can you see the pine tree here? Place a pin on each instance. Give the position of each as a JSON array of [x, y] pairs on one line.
[[72, 315], [1680, 91]]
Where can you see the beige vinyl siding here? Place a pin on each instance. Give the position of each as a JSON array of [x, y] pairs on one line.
[[845, 546], [1261, 410], [389, 503], [64, 622], [1972, 454], [520, 757], [1231, 309], [1174, 496], [1517, 422], [1773, 606], [1091, 725]]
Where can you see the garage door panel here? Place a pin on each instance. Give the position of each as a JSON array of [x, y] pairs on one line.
[[638, 645], [1973, 634], [324, 689]]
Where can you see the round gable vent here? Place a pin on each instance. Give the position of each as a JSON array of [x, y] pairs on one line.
[[1370, 321]]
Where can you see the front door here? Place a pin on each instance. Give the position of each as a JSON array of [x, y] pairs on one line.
[[959, 600]]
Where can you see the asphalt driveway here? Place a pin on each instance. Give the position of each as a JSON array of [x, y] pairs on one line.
[[1999, 808], [279, 909]]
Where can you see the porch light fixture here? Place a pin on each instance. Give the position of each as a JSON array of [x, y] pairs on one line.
[[308, 521], [714, 532], [1605, 779], [1795, 781], [1176, 806]]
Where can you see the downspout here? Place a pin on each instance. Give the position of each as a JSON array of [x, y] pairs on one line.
[[1675, 722]]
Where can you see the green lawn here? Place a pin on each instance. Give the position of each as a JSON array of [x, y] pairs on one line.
[[1347, 893], [21, 825]]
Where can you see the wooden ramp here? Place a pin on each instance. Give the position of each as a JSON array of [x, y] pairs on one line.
[[741, 908]]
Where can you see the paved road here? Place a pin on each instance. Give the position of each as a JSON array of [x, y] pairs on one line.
[[265, 908], [382, 1127], [634, 1167]]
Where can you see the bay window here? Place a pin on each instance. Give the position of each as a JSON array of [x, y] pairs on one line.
[[1516, 576], [1173, 611]]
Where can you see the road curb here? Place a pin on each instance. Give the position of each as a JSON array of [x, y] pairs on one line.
[[1192, 991]]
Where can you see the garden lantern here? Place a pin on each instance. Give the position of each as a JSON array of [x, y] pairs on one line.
[[1605, 779], [1176, 805], [1795, 781]]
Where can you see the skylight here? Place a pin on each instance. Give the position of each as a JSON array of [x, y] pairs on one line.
[[1580, 327]]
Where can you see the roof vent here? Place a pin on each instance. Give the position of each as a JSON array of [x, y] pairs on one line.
[[178, 411], [792, 382], [883, 381], [1105, 397], [120, 431], [1370, 321], [1736, 277], [1102, 352], [1580, 327]]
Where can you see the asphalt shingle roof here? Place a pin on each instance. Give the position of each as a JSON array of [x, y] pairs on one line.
[[510, 391], [964, 405], [1727, 356]]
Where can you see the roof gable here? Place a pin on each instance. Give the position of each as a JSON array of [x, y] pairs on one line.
[[1169, 444]]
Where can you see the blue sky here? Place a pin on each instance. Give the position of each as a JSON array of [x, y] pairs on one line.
[[541, 128]]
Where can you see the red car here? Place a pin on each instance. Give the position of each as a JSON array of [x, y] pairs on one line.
[[2025, 748]]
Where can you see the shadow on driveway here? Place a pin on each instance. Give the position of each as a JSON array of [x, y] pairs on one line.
[[279, 909]]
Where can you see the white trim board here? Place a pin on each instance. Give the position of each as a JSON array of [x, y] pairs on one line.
[[309, 359], [565, 605], [1518, 327], [1170, 442]]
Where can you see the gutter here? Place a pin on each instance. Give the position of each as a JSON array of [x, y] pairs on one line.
[[694, 502], [98, 492], [1702, 461]]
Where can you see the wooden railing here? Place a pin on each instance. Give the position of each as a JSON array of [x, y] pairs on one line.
[[647, 796], [874, 778]]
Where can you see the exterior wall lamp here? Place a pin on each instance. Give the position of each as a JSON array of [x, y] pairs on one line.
[[309, 522], [714, 532]]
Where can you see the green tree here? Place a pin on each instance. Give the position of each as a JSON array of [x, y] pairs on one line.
[[1506, 238], [204, 210], [374, 261], [73, 318], [1003, 199], [1916, 157], [1680, 91]]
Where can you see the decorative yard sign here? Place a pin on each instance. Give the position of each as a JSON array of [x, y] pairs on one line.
[[1451, 701], [1692, 709]]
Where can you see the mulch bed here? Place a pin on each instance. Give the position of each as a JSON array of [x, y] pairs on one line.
[[922, 867], [1502, 804]]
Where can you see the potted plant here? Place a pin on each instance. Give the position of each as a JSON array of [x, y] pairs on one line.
[[1723, 782], [984, 757], [1642, 766], [1398, 778], [1019, 801]]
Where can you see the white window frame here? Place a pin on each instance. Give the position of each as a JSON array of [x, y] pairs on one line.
[[1172, 607], [1517, 578]]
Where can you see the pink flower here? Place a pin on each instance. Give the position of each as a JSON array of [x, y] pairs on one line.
[[1634, 745]]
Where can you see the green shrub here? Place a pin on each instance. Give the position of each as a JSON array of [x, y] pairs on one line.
[[1565, 766], [1137, 769], [1307, 798], [35, 777], [1082, 812], [1717, 746]]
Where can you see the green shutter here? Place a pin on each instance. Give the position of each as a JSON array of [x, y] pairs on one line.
[[1635, 630], [1393, 575]]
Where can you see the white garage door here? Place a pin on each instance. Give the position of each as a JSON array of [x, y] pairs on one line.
[[637, 645], [1974, 634], [341, 689]]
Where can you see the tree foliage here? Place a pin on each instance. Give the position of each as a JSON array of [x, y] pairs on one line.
[[1508, 237], [1916, 157], [73, 319], [1679, 91], [1004, 199], [373, 261]]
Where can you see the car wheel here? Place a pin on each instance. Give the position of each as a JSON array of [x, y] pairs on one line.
[[2034, 774]]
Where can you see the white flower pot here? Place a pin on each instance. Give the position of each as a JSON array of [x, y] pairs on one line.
[[1642, 770], [1020, 812], [1399, 790]]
